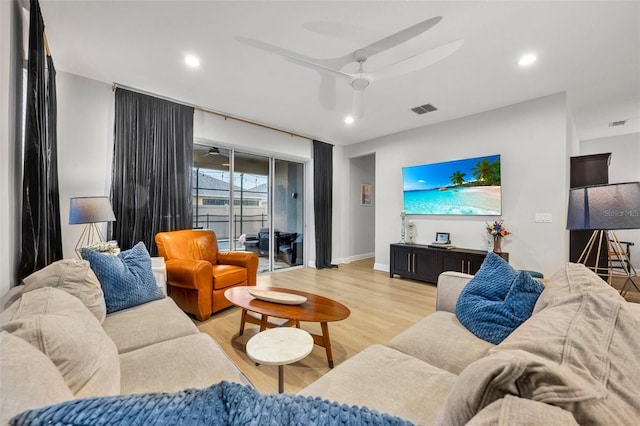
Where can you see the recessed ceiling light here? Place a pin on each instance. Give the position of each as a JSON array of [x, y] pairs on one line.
[[192, 61], [349, 119], [527, 59]]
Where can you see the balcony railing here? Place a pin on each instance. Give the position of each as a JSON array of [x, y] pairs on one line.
[[243, 224]]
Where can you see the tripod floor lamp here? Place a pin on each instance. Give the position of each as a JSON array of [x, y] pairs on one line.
[[90, 211], [603, 209]]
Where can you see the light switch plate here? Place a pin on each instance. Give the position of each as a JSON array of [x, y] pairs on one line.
[[543, 218]]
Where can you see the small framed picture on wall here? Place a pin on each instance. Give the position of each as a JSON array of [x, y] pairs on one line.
[[365, 195]]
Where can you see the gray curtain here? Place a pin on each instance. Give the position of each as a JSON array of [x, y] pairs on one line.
[[152, 167], [323, 201], [41, 242]]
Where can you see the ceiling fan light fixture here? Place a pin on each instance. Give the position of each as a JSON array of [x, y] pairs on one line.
[[214, 151], [192, 61], [527, 59]]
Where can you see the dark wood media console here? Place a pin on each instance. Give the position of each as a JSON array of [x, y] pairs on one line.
[[425, 263]]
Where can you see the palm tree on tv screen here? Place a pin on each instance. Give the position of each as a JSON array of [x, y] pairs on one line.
[[486, 172], [457, 178]]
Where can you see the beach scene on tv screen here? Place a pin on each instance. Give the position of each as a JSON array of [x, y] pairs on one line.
[[463, 187]]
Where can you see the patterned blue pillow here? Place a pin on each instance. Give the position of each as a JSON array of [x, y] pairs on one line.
[[497, 300], [127, 279]]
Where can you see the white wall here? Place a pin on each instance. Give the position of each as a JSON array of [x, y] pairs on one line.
[[10, 137], [362, 218], [85, 146], [624, 167], [531, 138]]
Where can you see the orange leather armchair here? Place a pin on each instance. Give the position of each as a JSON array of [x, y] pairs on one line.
[[198, 274]]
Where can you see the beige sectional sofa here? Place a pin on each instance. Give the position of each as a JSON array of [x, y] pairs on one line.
[[576, 359], [53, 348]]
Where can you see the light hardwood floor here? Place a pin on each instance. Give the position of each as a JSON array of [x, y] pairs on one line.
[[381, 308]]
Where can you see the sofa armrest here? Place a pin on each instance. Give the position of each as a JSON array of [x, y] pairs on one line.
[[189, 273], [450, 284], [246, 259]]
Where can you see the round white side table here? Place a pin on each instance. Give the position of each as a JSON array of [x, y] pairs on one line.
[[280, 346]]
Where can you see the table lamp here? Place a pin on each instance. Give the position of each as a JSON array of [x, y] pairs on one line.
[[603, 208], [90, 211]]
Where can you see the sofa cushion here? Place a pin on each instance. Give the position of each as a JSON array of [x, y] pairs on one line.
[[75, 277], [228, 275], [579, 353], [127, 279], [389, 381], [10, 297], [497, 300], [189, 361], [62, 328], [442, 341], [155, 322], [28, 378]]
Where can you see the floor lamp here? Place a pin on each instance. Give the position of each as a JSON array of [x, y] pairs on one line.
[[604, 208], [90, 211]]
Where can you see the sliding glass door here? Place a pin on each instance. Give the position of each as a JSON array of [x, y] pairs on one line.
[[288, 214], [251, 215], [233, 195], [212, 191]]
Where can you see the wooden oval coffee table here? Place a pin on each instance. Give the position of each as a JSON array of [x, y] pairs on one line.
[[316, 309]]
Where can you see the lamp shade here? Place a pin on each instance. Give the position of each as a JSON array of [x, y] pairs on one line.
[[604, 207], [90, 210]]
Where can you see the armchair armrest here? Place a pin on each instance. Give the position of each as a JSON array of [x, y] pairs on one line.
[[450, 284], [189, 273], [246, 259]]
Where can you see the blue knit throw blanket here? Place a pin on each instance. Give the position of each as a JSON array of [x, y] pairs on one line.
[[221, 404]]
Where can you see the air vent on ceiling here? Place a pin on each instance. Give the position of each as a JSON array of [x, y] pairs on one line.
[[422, 109], [617, 123]]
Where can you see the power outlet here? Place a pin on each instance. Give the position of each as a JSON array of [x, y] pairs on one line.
[[543, 217]]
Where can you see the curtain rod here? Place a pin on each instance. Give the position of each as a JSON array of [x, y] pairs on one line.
[[213, 112]]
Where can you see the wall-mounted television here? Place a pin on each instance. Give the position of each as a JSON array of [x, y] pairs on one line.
[[463, 187]]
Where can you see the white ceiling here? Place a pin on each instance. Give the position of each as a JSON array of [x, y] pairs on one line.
[[589, 49]]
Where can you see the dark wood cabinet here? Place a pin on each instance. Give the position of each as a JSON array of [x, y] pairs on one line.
[[425, 263], [412, 261]]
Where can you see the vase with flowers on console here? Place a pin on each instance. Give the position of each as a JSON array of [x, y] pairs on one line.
[[497, 231]]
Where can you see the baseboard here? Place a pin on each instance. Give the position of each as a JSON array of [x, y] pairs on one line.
[[381, 267], [361, 256], [339, 260]]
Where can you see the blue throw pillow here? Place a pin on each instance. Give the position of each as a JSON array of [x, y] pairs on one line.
[[497, 300], [127, 279]]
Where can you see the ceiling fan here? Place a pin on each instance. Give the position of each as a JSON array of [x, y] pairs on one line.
[[330, 69], [212, 151]]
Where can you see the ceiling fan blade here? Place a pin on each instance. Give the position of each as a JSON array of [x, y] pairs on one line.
[[318, 67], [357, 108], [327, 92], [416, 62], [401, 36], [306, 61]]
